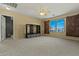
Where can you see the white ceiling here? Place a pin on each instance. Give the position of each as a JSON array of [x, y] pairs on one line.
[[55, 9]]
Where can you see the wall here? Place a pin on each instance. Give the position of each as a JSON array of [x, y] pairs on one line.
[[19, 21]]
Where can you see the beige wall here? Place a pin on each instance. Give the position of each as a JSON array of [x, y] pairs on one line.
[[19, 22]]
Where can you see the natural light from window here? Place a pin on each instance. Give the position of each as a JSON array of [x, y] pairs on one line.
[[56, 25]]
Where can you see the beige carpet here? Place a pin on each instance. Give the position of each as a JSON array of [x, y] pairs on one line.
[[39, 46]]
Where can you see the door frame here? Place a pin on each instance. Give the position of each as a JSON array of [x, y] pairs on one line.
[[13, 25]]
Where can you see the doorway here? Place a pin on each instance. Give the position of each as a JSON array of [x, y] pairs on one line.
[[6, 27]]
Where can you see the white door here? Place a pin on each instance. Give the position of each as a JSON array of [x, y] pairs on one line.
[[3, 28], [0, 27]]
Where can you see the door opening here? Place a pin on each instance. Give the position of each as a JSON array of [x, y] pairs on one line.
[[6, 27]]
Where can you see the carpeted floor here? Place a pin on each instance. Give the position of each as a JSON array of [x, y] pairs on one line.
[[39, 46]]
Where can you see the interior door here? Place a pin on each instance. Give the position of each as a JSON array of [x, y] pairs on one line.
[[3, 28], [0, 27]]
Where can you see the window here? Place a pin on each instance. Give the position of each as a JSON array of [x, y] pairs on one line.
[[52, 26], [56, 25]]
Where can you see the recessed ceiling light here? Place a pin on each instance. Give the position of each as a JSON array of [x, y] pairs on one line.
[[7, 8]]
